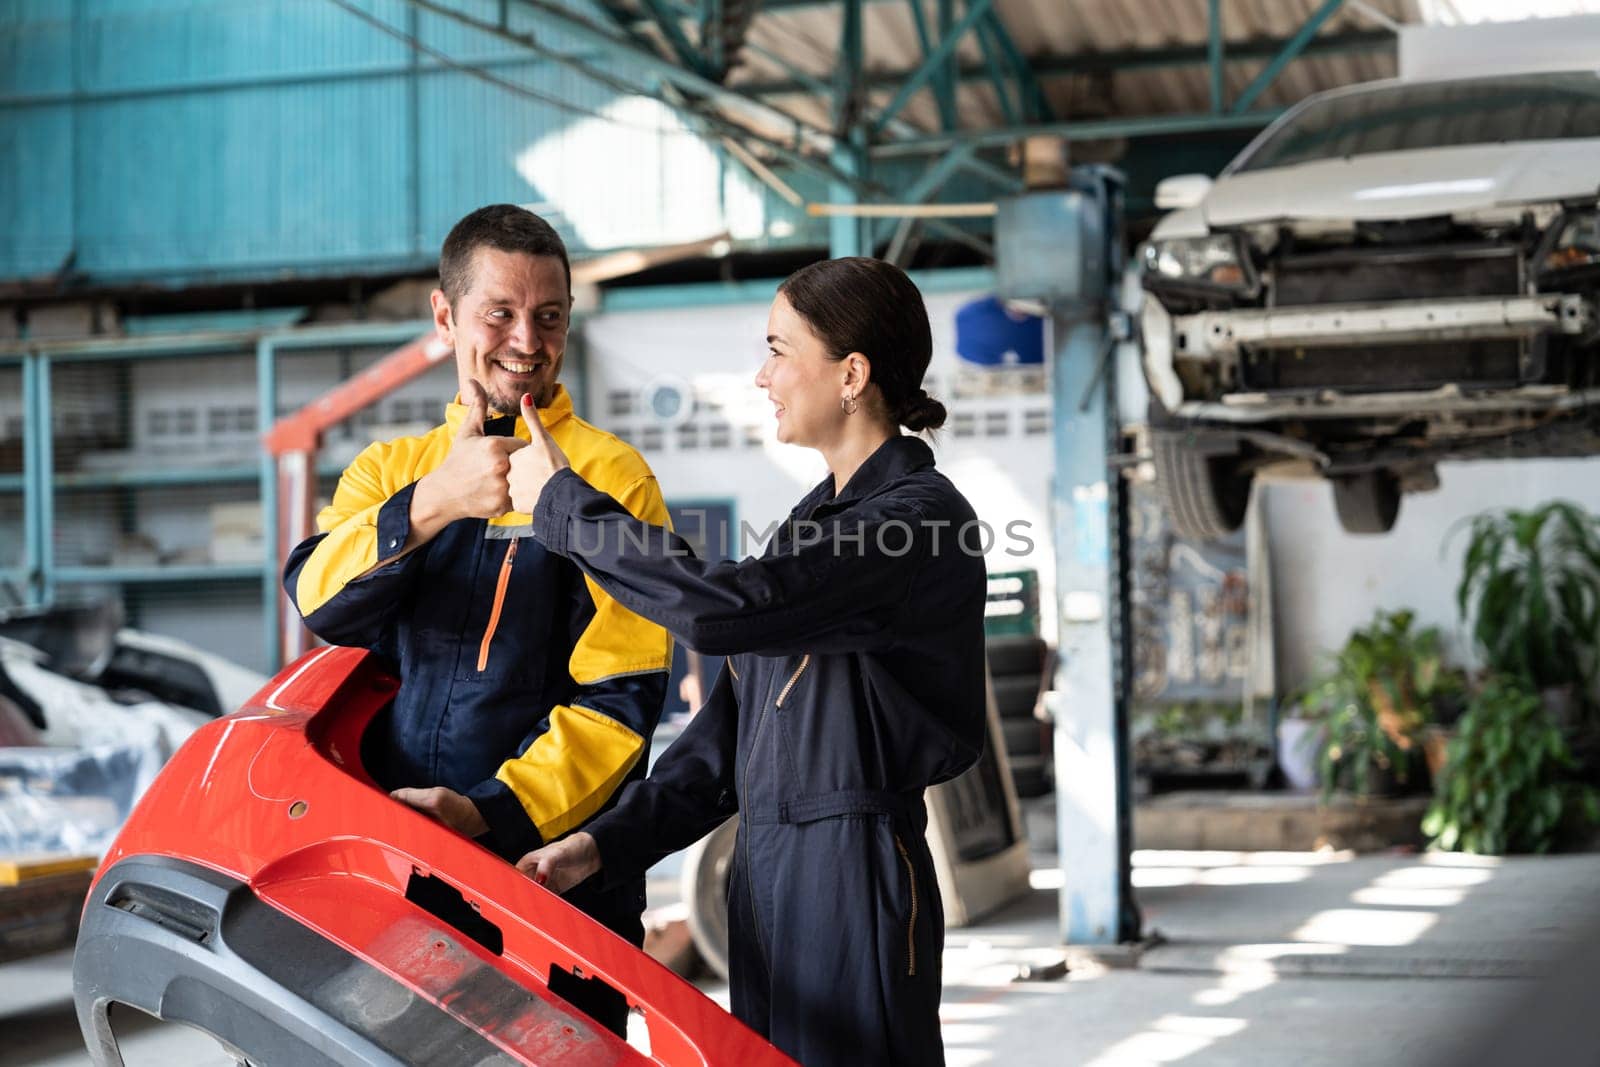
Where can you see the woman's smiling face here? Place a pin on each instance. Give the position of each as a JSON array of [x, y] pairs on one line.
[[804, 385]]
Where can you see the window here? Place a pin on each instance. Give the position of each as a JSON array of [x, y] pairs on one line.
[[1407, 116]]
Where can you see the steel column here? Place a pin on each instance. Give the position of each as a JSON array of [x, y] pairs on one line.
[[930, 66], [1290, 50], [34, 425], [848, 235], [272, 595], [1093, 799], [1214, 53], [666, 20], [1035, 104], [942, 94], [44, 482], [991, 61]]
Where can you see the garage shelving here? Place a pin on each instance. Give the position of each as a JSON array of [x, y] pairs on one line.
[[89, 478]]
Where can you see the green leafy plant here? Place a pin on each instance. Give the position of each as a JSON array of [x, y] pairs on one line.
[[1530, 590], [1384, 685], [1505, 786]]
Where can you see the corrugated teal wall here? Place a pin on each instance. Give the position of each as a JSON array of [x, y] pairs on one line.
[[187, 141]]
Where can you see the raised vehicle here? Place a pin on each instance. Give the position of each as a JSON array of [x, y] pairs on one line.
[[1390, 276]]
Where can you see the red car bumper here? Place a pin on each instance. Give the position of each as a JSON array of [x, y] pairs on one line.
[[259, 892]]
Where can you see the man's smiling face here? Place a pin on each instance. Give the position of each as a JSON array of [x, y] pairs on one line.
[[509, 328]]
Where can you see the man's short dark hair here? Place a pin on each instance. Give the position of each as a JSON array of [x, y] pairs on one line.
[[504, 227]]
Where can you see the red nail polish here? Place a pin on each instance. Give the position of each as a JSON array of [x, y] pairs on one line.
[[527, 400], [539, 879]]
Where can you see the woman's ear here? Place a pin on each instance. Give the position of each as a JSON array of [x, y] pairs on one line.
[[857, 373]]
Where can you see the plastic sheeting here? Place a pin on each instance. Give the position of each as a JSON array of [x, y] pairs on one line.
[[71, 793]]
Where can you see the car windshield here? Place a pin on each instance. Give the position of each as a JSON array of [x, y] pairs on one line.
[[1398, 118]]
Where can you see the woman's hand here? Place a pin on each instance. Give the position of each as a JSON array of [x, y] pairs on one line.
[[535, 465], [561, 866]]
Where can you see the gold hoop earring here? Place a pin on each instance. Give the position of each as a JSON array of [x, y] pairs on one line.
[[847, 404]]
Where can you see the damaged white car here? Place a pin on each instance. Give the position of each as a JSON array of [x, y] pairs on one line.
[[1390, 276]]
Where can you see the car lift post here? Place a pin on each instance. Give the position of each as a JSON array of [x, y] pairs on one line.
[[1063, 248]]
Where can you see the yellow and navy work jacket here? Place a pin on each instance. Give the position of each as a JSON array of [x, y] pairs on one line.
[[524, 685]]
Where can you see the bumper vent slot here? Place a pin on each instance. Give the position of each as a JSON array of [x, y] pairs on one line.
[[189, 919]]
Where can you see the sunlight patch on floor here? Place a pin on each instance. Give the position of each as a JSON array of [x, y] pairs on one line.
[[1366, 926], [1168, 1039], [1230, 987], [1382, 897]]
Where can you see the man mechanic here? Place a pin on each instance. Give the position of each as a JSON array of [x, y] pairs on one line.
[[527, 696]]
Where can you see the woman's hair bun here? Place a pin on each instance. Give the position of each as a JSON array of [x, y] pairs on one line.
[[922, 412]]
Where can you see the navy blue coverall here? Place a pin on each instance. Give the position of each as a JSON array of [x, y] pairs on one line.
[[854, 679]]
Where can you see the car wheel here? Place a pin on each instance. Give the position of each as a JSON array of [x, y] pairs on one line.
[[704, 884], [1367, 502], [1204, 495]]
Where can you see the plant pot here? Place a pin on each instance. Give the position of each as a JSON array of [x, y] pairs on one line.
[[1385, 780], [1299, 741]]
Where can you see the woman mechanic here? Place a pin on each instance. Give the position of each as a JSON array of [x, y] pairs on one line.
[[854, 679]]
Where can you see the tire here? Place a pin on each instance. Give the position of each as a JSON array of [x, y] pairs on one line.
[[1024, 737], [704, 885], [1367, 503], [1205, 496], [1020, 654], [1015, 695]]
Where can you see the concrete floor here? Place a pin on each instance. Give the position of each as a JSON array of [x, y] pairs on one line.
[[1305, 958]]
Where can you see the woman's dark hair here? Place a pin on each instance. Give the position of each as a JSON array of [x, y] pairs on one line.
[[865, 305], [504, 227]]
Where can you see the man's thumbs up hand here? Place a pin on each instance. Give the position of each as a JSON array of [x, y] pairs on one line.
[[477, 402], [471, 482], [535, 465]]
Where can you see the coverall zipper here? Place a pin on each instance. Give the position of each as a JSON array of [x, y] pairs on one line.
[[749, 876], [911, 927], [499, 603], [805, 661]]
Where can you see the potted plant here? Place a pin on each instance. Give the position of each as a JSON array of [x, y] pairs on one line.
[[1530, 592], [1386, 684], [1506, 786]]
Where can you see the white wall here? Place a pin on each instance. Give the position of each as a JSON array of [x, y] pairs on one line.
[[1326, 582], [717, 351]]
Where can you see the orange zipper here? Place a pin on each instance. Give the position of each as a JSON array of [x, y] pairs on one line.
[[805, 661], [911, 927], [499, 602]]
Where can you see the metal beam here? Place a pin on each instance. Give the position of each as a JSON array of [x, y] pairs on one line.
[[847, 101], [1035, 105], [997, 78], [943, 51], [944, 81], [1214, 53], [666, 20], [1290, 50], [945, 101], [1186, 55], [938, 173], [1148, 126], [35, 479], [609, 38]]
